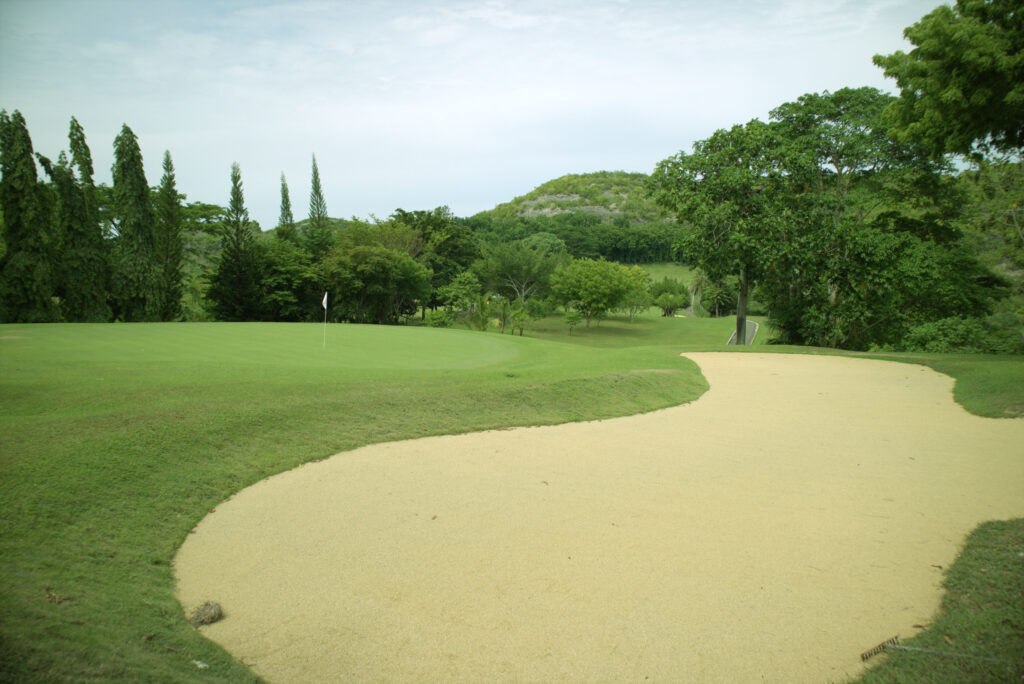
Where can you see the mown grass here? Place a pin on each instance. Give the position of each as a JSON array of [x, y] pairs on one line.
[[649, 328], [115, 440]]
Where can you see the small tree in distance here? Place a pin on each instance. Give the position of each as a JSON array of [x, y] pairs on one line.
[[235, 286], [573, 317], [286, 221], [318, 233], [592, 287]]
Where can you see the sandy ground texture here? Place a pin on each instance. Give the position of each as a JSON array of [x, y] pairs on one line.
[[794, 516]]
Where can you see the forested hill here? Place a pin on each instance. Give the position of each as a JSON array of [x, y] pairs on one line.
[[604, 214], [612, 196]]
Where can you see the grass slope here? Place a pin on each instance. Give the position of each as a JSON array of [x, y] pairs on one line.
[[115, 440]]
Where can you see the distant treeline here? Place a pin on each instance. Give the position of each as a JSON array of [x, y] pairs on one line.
[[588, 235]]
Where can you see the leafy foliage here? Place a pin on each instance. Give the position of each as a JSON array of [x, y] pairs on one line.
[[374, 284], [447, 245], [135, 279], [963, 335], [319, 236], [168, 248], [521, 269], [27, 278], [604, 214], [962, 86], [729, 190], [86, 259], [289, 285], [591, 287], [286, 221], [236, 285], [872, 247]]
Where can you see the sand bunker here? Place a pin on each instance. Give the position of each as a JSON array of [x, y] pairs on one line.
[[792, 517]]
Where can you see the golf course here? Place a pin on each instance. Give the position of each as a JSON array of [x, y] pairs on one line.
[[116, 441]]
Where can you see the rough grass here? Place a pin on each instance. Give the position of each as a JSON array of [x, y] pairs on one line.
[[115, 440], [981, 616]]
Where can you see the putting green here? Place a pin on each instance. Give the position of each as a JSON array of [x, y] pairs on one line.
[[797, 514]]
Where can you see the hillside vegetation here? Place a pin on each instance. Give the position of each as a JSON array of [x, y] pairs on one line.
[[613, 196]]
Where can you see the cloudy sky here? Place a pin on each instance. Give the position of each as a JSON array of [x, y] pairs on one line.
[[421, 104]]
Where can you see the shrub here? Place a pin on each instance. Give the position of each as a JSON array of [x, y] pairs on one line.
[[441, 318], [964, 335], [669, 303]]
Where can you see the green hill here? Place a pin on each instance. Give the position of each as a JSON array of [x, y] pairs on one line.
[[613, 196]]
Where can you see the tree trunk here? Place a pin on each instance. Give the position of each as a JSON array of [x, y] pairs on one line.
[[741, 308]]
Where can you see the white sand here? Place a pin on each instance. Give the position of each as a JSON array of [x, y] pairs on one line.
[[791, 518]]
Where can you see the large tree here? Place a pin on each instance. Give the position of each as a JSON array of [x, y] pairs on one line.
[[235, 285], [374, 284], [86, 263], [962, 86], [168, 246], [448, 247], [521, 269], [27, 278], [728, 190], [592, 287], [870, 247], [290, 292], [319, 236], [135, 275]]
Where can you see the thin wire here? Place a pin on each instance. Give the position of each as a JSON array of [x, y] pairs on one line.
[[952, 655]]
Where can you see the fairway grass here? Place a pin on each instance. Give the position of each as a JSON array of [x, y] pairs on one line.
[[115, 440], [649, 328]]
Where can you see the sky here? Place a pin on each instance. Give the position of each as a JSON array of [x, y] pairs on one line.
[[416, 105]]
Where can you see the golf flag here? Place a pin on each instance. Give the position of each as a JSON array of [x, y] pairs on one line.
[[324, 304]]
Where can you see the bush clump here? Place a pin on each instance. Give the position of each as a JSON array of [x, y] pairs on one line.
[[994, 335]]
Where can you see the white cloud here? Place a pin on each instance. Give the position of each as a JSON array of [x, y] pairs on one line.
[[422, 104]]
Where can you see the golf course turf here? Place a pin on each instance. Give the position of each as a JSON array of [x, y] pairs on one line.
[[117, 439]]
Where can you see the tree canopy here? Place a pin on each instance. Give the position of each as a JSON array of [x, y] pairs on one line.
[[962, 86], [592, 287], [28, 279], [727, 190]]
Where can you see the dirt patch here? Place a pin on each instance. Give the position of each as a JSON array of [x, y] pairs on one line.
[[794, 516]]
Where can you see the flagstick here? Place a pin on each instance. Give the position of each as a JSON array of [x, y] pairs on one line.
[[324, 304]]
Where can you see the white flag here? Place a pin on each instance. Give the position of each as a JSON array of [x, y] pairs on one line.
[[325, 301]]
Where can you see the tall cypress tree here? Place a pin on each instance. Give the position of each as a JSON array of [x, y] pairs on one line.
[[27, 279], [286, 222], [84, 267], [135, 277], [235, 286], [318, 233], [167, 245]]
